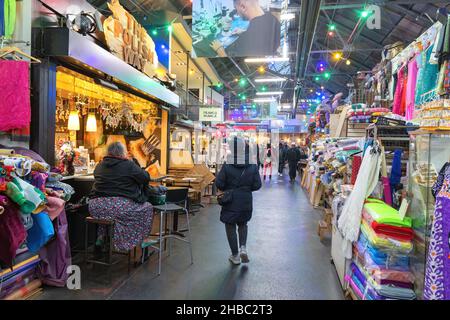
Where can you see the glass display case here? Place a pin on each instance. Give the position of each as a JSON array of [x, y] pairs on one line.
[[429, 151]]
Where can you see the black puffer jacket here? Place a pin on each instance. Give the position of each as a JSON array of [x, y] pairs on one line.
[[117, 177], [240, 209]]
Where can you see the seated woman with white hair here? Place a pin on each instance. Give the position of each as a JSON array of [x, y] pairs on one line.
[[118, 194]]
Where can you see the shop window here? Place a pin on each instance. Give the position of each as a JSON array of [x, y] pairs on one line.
[[89, 116]]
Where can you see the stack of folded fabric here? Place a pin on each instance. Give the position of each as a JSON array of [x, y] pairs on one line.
[[360, 113], [381, 266]]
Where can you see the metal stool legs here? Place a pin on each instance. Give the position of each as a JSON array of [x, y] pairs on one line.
[[189, 235], [161, 214]]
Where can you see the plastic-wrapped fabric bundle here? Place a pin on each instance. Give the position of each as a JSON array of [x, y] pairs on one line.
[[380, 258], [383, 242], [395, 232]]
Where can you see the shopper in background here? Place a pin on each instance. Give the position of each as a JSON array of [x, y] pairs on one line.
[[118, 194], [293, 157], [282, 158], [268, 162], [238, 179]]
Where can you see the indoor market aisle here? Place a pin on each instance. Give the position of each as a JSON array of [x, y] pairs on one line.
[[287, 260]]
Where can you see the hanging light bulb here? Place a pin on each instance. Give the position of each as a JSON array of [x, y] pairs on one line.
[[337, 56], [348, 62], [91, 124], [74, 121]]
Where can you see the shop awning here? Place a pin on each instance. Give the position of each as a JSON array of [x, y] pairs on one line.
[[65, 43]]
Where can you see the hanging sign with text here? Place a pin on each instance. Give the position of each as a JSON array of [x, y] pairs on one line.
[[213, 114], [129, 41]]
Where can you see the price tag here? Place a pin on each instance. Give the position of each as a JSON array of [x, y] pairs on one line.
[[403, 208]]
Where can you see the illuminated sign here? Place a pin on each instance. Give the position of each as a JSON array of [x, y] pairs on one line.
[[129, 41], [213, 114]]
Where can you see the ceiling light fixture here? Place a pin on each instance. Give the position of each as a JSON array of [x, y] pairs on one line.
[[270, 93], [262, 80], [268, 59], [261, 100]]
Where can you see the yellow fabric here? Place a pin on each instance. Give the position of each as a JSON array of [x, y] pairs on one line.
[[385, 242]]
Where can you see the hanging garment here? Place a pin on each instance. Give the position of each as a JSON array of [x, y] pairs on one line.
[[437, 271], [10, 18], [15, 106], [396, 170], [411, 89], [2, 18], [399, 90], [428, 76], [350, 220]]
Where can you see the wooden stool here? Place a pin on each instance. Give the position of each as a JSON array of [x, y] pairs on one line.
[[109, 225]]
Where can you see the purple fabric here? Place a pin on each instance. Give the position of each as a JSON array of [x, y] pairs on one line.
[[437, 273], [26, 152], [12, 231], [55, 256], [38, 180]]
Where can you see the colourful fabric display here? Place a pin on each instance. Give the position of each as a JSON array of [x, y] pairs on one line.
[[2, 18], [395, 232], [29, 198], [382, 213], [38, 180], [15, 105], [390, 261], [382, 242], [54, 207]]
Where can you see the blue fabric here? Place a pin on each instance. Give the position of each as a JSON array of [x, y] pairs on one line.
[[40, 233], [2, 18], [396, 171], [381, 258]]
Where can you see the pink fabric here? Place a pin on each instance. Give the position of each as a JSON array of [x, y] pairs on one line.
[[399, 92], [411, 88], [15, 108], [54, 207]]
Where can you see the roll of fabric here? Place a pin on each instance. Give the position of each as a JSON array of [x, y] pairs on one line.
[[7, 152], [22, 292]]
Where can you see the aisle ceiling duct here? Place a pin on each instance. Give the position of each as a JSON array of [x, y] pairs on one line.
[[309, 17]]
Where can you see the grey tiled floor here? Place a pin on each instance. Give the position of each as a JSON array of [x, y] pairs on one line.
[[288, 261]]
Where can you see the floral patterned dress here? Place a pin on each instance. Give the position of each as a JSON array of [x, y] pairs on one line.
[[437, 273], [133, 221]]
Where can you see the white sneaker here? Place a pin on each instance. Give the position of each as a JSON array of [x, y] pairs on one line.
[[244, 255], [235, 259]]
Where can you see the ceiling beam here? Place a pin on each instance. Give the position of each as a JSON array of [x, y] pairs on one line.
[[350, 5]]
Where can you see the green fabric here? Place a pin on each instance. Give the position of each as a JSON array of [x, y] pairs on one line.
[[10, 18], [383, 213], [15, 193]]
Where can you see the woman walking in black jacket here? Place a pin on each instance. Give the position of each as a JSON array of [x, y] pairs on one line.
[[239, 178]]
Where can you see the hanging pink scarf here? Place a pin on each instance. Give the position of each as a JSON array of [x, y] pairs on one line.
[[15, 109], [411, 88]]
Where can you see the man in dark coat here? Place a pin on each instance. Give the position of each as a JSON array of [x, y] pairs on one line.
[[293, 157], [282, 158], [241, 178]]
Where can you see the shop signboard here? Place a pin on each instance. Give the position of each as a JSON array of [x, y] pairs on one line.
[[211, 113], [129, 41], [235, 28]]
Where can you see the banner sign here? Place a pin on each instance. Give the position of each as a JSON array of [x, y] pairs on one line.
[[129, 41], [213, 114], [235, 28]]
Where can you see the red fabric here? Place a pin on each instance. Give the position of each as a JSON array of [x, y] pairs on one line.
[[15, 108], [394, 232], [355, 168]]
